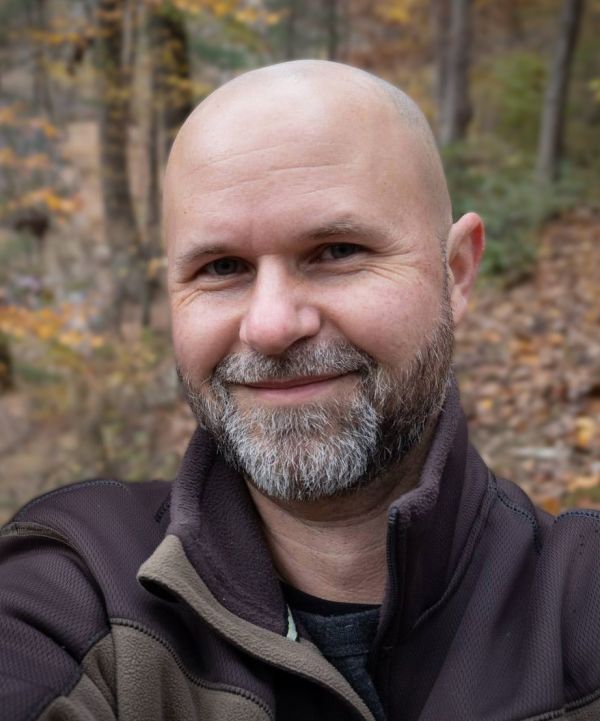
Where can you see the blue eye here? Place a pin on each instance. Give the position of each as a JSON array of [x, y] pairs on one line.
[[339, 251], [224, 266]]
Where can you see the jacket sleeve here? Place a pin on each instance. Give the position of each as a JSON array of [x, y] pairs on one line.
[[55, 643]]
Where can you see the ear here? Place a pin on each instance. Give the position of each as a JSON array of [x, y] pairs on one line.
[[465, 246]]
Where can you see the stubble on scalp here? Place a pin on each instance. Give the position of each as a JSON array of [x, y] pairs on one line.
[[322, 450]]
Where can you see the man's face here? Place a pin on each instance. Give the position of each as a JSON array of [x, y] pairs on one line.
[[311, 320]]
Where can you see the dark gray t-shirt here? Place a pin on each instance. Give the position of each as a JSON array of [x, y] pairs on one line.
[[344, 633]]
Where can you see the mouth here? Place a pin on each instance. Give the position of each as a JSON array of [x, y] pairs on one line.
[[297, 389], [285, 383]]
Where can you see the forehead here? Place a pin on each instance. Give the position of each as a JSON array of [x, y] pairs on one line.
[[280, 103], [322, 123], [291, 156]]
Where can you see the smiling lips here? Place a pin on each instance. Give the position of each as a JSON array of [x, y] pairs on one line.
[[290, 382], [293, 388]]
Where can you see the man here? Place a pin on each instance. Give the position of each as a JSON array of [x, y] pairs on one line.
[[332, 548]]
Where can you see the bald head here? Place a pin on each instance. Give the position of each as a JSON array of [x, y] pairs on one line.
[[310, 101]]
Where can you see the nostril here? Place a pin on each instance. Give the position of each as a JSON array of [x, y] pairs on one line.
[[272, 326]]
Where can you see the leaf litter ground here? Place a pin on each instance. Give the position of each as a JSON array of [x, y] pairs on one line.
[[528, 363]]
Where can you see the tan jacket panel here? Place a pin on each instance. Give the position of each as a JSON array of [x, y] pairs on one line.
[[84, 703], [150, 684]]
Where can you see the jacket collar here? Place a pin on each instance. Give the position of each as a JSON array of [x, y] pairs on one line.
[[432, 530], [220, 531]]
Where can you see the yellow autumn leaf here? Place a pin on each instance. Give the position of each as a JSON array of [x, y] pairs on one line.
[[7, 157], [580, 483], [9, 114], [71, 339], [585, 432], [54, 202], [272, 18], [46, 332], [221, 8], [395, 11], [189, 6], [45, 126], [154, 267], [246, 15], [36, 161], [551, 505], [556, 339]]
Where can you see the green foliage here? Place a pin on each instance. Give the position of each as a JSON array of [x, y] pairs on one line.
[[218, 54], [9, 9], [511, 93], [230, 35], [497, 181], [583, 110]]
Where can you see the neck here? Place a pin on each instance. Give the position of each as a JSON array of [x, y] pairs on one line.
[[335, 548]]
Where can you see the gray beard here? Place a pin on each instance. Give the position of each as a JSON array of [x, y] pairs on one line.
[[320, 450]]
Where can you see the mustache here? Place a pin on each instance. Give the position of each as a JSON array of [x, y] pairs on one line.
[[338, 357]]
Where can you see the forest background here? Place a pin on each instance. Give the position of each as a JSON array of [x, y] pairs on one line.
[[91, 94]]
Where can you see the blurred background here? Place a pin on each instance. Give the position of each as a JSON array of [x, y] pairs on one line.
[[91, 95]]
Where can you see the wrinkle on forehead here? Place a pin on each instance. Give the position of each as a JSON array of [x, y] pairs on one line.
[[309, 101]]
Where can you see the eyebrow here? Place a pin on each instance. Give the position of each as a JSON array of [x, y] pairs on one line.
[[197, 252], [343, 227], [327, 230]]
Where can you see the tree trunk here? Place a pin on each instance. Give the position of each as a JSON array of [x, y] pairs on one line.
[[6, 365], [455, 109], [119, 215], [332, 29], [553, 112], [152, 248], [171, 103], [440, 15], [42, 97], [130, 34], [290, 30], [171, 71]]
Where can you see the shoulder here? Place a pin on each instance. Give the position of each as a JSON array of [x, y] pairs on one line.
[[571, 550], [96, 496], [567, 546], [107, 524], [539, 580], [99, 530], [97, 521], [68, 561], [571, 561], [564, 581], [569, 590]]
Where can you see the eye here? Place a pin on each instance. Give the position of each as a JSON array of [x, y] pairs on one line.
[[339, 251], [224, 267]]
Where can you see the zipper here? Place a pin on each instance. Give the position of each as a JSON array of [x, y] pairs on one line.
[[380, 657], [392, 599]]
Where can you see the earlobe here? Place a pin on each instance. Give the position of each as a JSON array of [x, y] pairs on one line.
[[465, 248]]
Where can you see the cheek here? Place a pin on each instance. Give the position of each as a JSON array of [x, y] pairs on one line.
[[388, 322], [201, 338]]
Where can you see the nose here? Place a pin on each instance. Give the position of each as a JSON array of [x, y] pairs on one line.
[[279, 313]]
